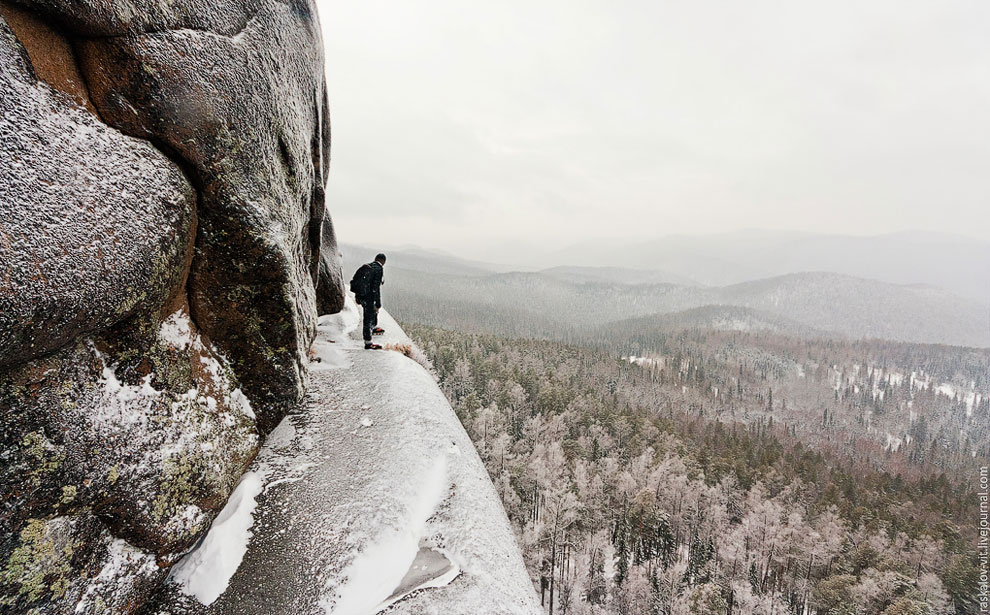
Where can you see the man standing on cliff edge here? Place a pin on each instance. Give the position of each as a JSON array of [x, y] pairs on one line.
[[367, 288]]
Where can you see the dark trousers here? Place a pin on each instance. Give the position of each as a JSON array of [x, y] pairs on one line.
[[370, 319]]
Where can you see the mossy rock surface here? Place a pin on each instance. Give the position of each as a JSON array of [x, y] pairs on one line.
[[163, 243]]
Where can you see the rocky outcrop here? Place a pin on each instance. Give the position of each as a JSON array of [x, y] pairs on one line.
[[236, 93], [162, 233], [96, 226]]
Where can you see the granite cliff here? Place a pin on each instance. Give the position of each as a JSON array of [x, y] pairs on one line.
[[164, 243]]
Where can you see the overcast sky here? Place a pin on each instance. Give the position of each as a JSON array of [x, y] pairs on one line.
[[457, 124]]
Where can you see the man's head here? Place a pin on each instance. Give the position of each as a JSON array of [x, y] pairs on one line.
[[380, 259]]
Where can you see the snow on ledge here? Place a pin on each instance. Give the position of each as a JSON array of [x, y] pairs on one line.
[[410, 523], [379, 569], [205, 572]]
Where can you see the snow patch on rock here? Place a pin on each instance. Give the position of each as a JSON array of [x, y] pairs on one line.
[[338, 327], [326, 355], [122, 403], [123, 563], [206, 571], [239, 400], [176, 330]]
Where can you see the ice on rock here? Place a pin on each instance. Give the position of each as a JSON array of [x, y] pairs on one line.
[[378, 570]]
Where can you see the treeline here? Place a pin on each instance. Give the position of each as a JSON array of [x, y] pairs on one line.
[[625, 501]]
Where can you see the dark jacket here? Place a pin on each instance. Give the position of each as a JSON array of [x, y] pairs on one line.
[[375, 281]]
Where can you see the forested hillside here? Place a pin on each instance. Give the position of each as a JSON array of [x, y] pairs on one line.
[[729, 473], [551, 305], [902, 408]]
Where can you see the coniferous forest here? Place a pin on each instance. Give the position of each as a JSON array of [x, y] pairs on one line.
[[706, 472]]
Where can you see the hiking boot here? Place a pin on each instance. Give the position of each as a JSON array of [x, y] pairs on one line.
[[371, 346]]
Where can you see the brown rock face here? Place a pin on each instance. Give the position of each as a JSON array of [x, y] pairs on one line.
[[164, 247], [52, 57], [94, 226], [246, 114]]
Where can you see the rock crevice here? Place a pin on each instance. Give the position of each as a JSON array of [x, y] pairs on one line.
[[51, 56]]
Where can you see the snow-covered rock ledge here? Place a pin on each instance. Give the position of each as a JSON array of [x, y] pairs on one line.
[[370, 499]]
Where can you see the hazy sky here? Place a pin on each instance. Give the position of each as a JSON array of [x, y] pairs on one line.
[[460, 123]]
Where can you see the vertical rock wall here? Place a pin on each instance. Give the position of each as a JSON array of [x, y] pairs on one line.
[[163, 248]]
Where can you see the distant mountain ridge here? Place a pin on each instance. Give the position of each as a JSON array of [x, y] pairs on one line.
[[570, 301], [867, 308], [616, 274], [955, 263], [416, 259]]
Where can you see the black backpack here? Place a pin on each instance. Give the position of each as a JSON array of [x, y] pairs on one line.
[[360, 283]]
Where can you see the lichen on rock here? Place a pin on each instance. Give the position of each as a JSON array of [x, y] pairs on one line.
[[152, 464], [163, 247], [71, 564]]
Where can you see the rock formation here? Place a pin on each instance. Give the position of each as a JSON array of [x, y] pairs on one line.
[[163, 248]]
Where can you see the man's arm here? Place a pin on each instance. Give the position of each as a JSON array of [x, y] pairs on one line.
[[376, 284]]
